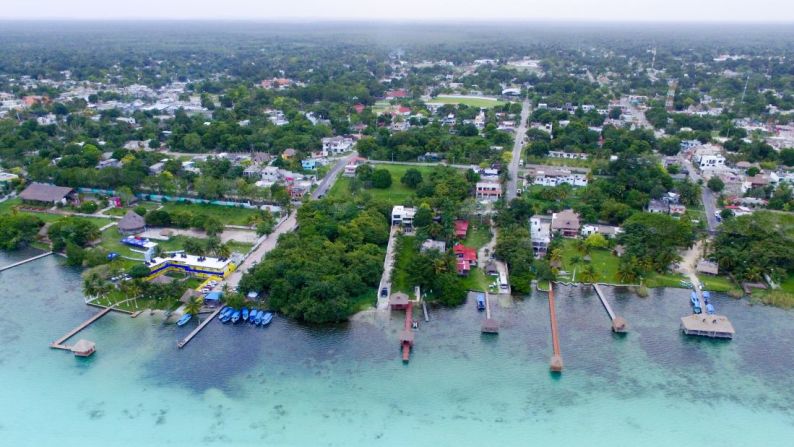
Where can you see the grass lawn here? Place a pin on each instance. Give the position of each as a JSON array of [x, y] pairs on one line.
[[111, 241], [717, 283], [117, 296], [477, 280], [380, 107], [395, 194], [226, 214], [471, 102], [406, 249], [664, 280], [788, 284], [478, 236], [605, 263]]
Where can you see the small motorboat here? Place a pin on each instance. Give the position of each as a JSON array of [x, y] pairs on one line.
[[258, 319], [710, 309], [706, 296], [235, 316], [185, 318], [695, 302], [252, 316], [267, 318], [481, 301], [245, 314]]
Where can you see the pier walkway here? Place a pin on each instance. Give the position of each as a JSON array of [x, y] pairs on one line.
[[556, 358], [59, 343], [618, 323], [186, 340], [25, 261], [489, 325], [407, 336]]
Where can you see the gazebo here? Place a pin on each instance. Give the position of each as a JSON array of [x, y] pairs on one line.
[[83, 348], [132, 223]]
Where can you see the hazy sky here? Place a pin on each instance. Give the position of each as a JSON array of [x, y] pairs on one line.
[[597, 10]]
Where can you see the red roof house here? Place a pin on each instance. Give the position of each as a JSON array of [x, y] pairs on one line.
[[461, 228], [359, 108], [399, 93], [467, 258]]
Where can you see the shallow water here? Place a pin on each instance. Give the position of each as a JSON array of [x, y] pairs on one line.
[[345, 385]]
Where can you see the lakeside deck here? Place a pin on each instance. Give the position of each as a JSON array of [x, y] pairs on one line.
[[714, 326], [181, 343], [618, 323], [59, 343]]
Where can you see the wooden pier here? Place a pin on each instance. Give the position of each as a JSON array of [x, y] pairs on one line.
[[59, 343], [407, 336], [424, 310], [25, 261], [618, 323], [703, 324], [489, 325], [556, 358], [186, 340]]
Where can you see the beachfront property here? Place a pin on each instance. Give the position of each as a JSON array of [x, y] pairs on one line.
[[201, 266], [540, 234]]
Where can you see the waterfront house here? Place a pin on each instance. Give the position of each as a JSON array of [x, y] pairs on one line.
[[565, 223], [467, 258], [540, 234]]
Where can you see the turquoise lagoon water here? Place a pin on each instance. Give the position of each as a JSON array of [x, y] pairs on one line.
[[290, 385]]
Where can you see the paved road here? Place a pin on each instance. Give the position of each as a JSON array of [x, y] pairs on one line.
[[289, 224], [518, 147], [330, 179], [706, 196]]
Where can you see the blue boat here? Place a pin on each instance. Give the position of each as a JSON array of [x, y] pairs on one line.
[[225, 318], [267, 318], [706, 297], [258, 318], [245, 314], [235, 316], [695, 302], [185, 318], [710, 309], [480, 301]]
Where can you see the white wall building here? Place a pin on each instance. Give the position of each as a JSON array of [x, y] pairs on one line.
[[401, 215], [540, 234]]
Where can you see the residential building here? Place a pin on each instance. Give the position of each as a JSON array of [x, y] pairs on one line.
[[44, 193], [488, 190], [608, 231], [403, 216], [540, 234], [467, 258], [565, 223], [569, 155], [288, 154], [157, 168], [461, 229], [658, 206], [337, 145], [556, 177]]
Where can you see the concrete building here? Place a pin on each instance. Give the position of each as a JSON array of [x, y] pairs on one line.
[[540, 234]]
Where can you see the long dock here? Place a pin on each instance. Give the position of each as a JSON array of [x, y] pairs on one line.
[[25, 261], [556, 358], [58, 344], [618, 323], [186, 340], [424, 310], [407, 336], [489, 325]]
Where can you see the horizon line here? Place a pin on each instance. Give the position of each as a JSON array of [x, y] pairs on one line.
[[359, 20]]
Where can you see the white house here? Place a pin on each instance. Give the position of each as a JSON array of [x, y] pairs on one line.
[[556, 177], [568, 155], [401, 215], [608, 231], [540, 234], [337, 145]]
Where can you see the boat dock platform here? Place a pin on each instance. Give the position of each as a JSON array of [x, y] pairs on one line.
[[556, 358], [59, 343], [618, 323], [25, 261], [705, 325], [489, 325], [407, 335], [181, 343]]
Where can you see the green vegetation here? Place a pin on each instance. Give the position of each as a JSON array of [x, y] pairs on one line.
[[396, 193], [227, 215], [718, 284], [479, 235], [18, 231], [319, 273]]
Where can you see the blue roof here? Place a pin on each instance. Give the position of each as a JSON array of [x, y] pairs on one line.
[[214, 296]]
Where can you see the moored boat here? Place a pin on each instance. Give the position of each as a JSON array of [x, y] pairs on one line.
[[259, 315], [695, 302], [245, 314], [235, 316], [480, 301], [252, 316], [185, 318], [706, 296], [710, 309], [267, 318]]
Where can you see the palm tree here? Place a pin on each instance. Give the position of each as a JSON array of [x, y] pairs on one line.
[[582, 247], [576, 259], [556, 255], [193, 307], [589, 274], [223, 250], [627, 271]]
